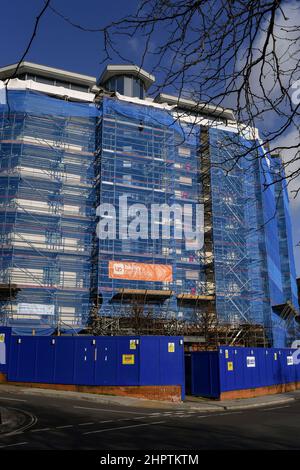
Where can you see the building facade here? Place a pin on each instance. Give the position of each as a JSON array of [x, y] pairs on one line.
[[71, 145]]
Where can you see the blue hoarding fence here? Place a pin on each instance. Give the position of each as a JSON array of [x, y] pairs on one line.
[[5, 335], [96, 360], [216, 374]]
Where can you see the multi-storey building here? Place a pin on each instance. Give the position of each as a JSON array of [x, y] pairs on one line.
[[70, 144]]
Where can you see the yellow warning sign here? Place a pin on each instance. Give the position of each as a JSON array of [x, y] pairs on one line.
[[171, 347], [128, 359], [132, 344], [2, 338], [229, 365]]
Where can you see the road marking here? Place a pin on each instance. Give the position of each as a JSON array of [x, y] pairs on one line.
[[40, 430], [107, 421], [85, 424], [122, 427], [227, 413], [140, 417], [64, 427], [17, 444], [33, 421], [276, 408], [12, 399], [107, 410]]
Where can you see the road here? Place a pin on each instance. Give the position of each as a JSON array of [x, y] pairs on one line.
[[66, 423]]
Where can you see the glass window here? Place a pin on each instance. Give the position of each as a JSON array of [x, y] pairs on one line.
[[29, 76], [61, 83], [120, 85], [47, 81], [116, 84], [137, 88], [76, 87]]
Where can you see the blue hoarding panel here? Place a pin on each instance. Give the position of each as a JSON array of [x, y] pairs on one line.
[[5, 335], [290, 367], [85, 358], [22, 359], [278, 375], [64, 360], [284, 371], [128, 364], [251, 368], [106, 363], [241, 368], [265, 364], [45, 359], [171, 360], [150, 371], [296, 359], [228, 368]]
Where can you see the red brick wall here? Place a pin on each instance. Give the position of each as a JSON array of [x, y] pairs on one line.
[[150, 392], [2, 377], [258, 392]]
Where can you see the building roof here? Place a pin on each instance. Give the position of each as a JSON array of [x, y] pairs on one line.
[[43, 70], [113, 70], [193, 106]]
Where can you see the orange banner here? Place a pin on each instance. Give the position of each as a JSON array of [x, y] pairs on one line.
[[140, 271]]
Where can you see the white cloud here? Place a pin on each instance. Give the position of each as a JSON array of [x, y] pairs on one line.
[[287, 48], [292, 164]]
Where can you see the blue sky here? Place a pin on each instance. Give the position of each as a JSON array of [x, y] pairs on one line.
[[60, 45], [57, 43]]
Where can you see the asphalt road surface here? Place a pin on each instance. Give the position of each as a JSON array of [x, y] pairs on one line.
[[71, 424]]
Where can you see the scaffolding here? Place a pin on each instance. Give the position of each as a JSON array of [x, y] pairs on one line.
[[60, 160], [142, 154], [46, 214], [145, 154]]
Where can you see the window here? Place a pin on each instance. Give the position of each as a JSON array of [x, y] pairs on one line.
[[184, 152], [61, 83], [185, 180], [137, 88], [76, 87], [192, 275], [46, 80], [51, 275], [53, 238], [116, 84]]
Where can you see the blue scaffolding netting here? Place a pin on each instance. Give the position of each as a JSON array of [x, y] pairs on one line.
[[47, 173]]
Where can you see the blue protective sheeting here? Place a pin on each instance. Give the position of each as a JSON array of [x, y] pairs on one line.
[[147, 115], [212, 373], [55, 139], [102, 360], [33, 102]]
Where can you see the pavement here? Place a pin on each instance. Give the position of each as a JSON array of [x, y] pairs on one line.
[[190, 403], [55, 420]]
